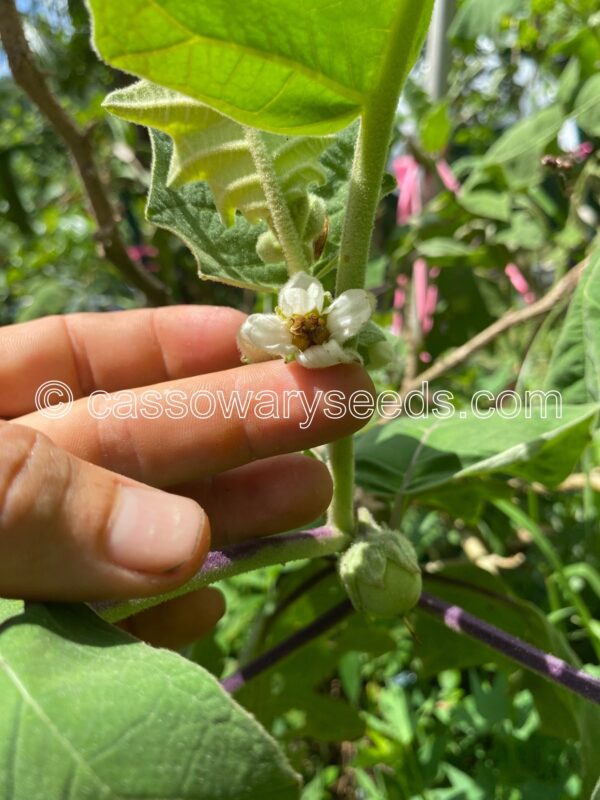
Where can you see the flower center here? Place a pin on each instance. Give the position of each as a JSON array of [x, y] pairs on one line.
[[308, 330]]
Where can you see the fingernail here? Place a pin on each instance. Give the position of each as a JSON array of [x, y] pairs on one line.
[[152, 531]]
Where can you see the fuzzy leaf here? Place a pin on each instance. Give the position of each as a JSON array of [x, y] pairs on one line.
[[279, 65], [89, 712], [223, 254], [229, 254], [210, 147]]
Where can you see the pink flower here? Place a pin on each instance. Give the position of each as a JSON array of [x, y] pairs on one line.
[[398, 305], [144, 254], [408, 176], [444, 170], [584, 150], [519, 283]]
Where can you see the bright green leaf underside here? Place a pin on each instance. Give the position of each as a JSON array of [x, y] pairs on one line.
[[228, 254], [89, 712], [280, 65], [210, 147]]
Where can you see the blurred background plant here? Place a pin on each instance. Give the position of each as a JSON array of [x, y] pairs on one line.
[[496, 158]]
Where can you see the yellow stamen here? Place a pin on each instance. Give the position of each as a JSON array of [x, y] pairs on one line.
[[308, 330]]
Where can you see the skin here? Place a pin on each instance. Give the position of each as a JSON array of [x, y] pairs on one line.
[[62, 481]]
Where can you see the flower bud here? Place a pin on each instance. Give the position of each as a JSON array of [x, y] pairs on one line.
[[317, 214], [381, 574], [268, 248]]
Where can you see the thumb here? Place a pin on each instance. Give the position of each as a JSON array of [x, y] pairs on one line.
[[72, 531]]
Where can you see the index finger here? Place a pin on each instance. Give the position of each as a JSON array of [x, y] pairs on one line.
[[114, 350], [227, 419]]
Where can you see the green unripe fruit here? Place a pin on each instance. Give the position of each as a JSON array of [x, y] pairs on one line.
[[381, 574]]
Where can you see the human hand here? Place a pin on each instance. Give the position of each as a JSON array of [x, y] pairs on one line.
[[118, 508]]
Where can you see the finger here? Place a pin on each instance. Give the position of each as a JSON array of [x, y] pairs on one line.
[[178, 622], [72, 531], [270, 496], [118, 350], [165, 451]]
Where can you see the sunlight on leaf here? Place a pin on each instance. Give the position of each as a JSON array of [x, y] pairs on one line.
[[210, 147], [274, 64]]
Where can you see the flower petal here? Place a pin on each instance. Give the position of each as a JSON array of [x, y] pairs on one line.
[[301, 294], [265, 336], [326, 355], [349, 312]]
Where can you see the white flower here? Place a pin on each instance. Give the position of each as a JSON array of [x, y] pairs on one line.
[[307, 326]]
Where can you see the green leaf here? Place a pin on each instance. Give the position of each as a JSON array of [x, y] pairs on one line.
[[276, 65], [223, 254], [415, 456], [524, 233], [435, 128], [569, 81], [89, 712], [518, 151], [490, 205], [443, 251], [587, 106], [229, 254], [574, 368], [482, 18], [210, 147]]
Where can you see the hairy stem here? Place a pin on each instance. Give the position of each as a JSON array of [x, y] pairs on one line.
[[370, 160], [456, 619], [341, 464], [548, 666], [363, 198], [286, 231], [235, 560], [80, 146]]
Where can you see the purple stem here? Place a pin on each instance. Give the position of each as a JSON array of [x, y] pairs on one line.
[[287, 646], [458, 620], [235, 559], [548, 666]]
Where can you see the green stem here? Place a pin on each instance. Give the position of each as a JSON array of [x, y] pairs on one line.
[[369, 163], [286, 231], [363, 198], [237, 559], [341, 464]]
